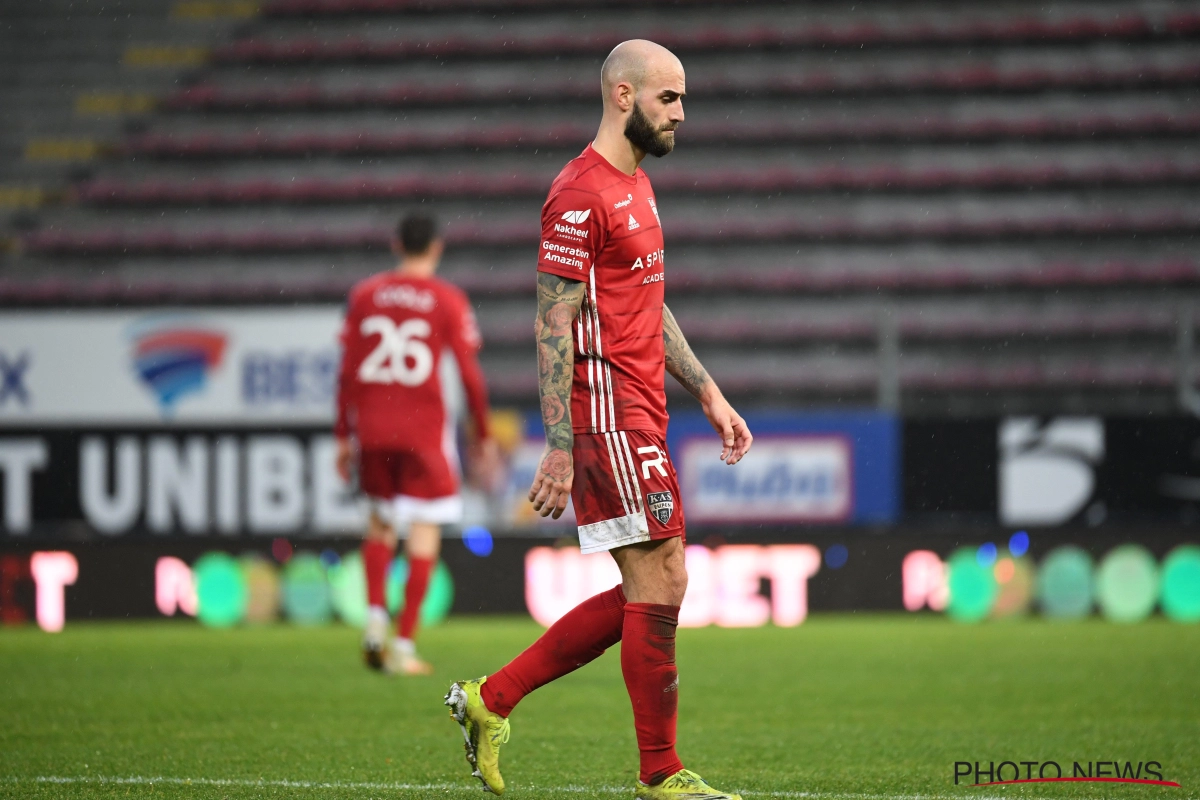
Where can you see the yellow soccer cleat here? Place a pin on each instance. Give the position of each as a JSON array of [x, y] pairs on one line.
[[683, 785], [483, 732]]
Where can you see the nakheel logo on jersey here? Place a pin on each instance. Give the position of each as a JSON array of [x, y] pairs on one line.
[[567, 230], [577, 217], [1002, 773]]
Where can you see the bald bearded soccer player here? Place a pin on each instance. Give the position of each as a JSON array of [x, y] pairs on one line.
[[604, 338]]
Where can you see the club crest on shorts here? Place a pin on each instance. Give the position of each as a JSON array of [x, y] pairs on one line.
[[661, 505]]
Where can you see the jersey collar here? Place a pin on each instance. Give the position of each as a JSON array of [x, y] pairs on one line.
[[589, 152]]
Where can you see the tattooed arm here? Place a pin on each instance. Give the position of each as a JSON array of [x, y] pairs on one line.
[[686, 368], [681, 361], [559, 301]]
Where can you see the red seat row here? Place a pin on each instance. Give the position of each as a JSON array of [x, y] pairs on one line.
[[1182, 221], [862, 325], [947, 374], [979, 77], [796, 278], [881, 128], [763, 179], [717, 38]]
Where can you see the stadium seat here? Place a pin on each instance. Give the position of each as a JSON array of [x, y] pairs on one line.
[[1018, 185]]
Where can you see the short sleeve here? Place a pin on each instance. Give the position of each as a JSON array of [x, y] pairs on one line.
[[465, 324], [573, 223]]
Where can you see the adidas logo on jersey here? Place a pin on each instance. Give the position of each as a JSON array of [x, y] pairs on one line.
[[633, 223], [577, 217]]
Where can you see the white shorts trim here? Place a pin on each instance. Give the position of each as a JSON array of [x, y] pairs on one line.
[[403, 509], [437, 511], [607, 534]]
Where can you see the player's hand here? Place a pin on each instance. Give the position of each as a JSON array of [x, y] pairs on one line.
[[729, 425], [552, 483], [487, 464], [344, 458]]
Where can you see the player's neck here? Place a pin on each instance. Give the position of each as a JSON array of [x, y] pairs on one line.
[[615, 148], [417, 267]]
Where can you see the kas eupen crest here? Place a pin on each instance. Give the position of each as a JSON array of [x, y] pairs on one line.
[[661, 505]]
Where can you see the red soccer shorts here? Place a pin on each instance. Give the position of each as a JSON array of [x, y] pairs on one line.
[[411, 485], [625, 490]]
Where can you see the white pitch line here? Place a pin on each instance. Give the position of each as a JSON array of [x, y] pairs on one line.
[[141, 780]]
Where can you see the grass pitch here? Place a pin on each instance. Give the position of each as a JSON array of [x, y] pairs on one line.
[[866, 707]]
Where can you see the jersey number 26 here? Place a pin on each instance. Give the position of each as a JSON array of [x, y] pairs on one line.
[[401, 356]]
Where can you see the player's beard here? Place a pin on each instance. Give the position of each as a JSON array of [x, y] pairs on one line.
[[640, 131]]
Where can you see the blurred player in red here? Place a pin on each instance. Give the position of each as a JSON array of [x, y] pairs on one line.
[[605, 338], [393, 427]]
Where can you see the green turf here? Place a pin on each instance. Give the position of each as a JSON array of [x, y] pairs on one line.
[[843, 705]]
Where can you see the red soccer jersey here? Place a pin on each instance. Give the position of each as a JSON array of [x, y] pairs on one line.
[[601, 226], [396, 329]]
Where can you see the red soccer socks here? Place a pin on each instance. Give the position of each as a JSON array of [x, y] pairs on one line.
[[648, 664], [419, 570], [579, 637], [377, 556]]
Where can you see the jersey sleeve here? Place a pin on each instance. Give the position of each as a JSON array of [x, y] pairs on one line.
[[573, 232], [465, 341], [343, 425]]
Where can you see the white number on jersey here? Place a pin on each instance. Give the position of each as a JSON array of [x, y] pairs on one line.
[[401, 356]]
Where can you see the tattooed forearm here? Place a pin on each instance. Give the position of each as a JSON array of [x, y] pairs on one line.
[[681, 361], [559, 301]]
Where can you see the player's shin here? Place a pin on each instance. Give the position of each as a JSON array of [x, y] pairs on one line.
[[377, 556], [580, 637], [419, 570], [648, 664]]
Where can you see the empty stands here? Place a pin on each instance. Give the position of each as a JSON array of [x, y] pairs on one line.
[[1013, 186]]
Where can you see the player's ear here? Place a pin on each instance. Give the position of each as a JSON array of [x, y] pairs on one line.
[[623, 96]]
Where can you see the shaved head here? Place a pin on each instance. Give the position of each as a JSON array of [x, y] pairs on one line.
[[643, 85], [633, 62]]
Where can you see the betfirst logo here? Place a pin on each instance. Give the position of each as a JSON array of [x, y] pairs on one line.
[[577, 217], [174, 359]]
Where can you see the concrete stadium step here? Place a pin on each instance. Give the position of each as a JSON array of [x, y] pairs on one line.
[[1015, 70], [332, 182], [1137, 270], [1170, 212], [771, 129], [747, 29], [787, 374], [784, 321]]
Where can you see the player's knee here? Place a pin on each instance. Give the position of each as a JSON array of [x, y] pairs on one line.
[[379, 531], [676, 580]]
